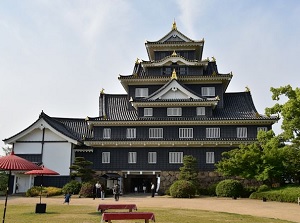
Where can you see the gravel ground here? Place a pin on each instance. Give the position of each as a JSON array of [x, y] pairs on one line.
[[276, 210]]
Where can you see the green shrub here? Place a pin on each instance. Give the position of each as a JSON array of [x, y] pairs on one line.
[[263, 187], [247, 191], [86, 190], [229, 188], [282, 194], [183, 189], [46, 191], [73, 187]]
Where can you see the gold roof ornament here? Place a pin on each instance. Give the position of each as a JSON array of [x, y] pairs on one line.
[[257, 115], [102, 91], [137, 61], [174, 27], [174, 53], [214, 73], [247, 89], [87, 118], [174, 75], [218, 98], [213, 59]]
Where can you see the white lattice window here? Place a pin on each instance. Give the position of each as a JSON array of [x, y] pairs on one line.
[[132, 157], [185, 133], [156, 133], [141, 92], [174, 111], [148, 111], [105, 157], [241, 132], [106, 133], [210, 157], [212, 132], [262, 129], [208, 91], [200, 110], [131, 133], [175, 157], [152, 157]]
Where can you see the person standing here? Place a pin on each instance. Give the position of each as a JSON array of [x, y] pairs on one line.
[[98, 190], [67, 198], [152, 189], [116, 191]]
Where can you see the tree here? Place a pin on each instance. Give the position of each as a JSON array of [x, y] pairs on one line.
[[189, 170], [6, 150], [288, 111], [262, 160], [81, 169]]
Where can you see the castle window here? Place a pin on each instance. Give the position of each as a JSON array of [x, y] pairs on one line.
[[131, 133], [208, 91], [175, 157], [210, 157], [212, 132], [148, 112], [106, 157], [156, 133], [152, 157], [106, 133], [262, 129], [185, 133], [200, 111], [141, 92], [241, 132], [132, 157], [174, 111]]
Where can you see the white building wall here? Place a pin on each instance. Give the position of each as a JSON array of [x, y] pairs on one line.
[[27, 148], [57, 157]]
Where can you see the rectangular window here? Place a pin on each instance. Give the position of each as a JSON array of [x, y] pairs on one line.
[[208, 91], [185, 133], [200, 110], [131, 133], [105, 157], [212, 132], [106, 133], [174, 111], [262, 129], [175, 157], [210, 157], [152, 157], [156, 133], [132, 157], [182, 71], [241, 132], [141, 92], [148, 112]]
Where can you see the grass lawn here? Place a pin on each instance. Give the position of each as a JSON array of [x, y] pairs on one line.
[[88, 214]]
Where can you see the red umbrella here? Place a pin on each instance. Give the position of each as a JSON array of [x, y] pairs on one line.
[[42, 172], [10, 163]]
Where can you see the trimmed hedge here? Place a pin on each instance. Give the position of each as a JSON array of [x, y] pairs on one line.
[[229, 188], [46, 191], [73, 187], [183, 189], [288, 194]]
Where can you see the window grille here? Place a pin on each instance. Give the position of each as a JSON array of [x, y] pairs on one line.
[[242, 132], [212, 132], [210, 157], [141, 92], [174, 111], [185, 133], [148, 112], [208, 91], [132, 157], [156, 133], [131, 133], [105, 157], [152, 157], [175, 157], [200, 110], [106, 133]]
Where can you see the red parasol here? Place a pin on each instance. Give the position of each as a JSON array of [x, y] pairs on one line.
[[14, 163], [42, 172]]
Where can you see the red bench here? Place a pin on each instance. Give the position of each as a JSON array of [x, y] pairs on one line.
[[109, 216], [104, 207]]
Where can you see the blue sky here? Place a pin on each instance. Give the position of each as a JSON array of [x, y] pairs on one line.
[[57, 55]]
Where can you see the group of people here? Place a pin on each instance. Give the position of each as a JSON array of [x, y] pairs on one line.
[[98, 191]]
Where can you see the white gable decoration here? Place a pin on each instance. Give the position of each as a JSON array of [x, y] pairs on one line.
[[174, 91]]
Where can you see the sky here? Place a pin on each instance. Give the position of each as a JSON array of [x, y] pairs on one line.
[[56, 55]]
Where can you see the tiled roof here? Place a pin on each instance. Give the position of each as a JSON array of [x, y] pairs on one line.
[[74, 128], [237, 106]]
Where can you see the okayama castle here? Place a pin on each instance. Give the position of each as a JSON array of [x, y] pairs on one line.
[[175, 104]]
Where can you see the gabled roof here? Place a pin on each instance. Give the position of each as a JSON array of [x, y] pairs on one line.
[[72, 129]]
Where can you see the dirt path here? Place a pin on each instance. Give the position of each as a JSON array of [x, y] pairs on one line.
[[276, 210]]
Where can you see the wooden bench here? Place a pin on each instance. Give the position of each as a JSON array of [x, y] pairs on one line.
[[109, 216], [104, 207]]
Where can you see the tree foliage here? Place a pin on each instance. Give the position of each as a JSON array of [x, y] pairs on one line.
[[289, 111], [189, 170], [81, 168]]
